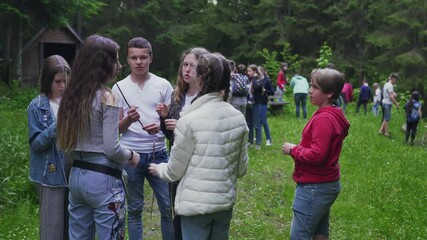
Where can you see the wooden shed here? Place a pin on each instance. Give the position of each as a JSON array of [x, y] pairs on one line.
[[63, 41]]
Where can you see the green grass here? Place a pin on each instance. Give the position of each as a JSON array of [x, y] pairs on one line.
[[383, 196]]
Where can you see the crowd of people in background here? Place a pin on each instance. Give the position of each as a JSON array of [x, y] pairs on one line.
[[250, 91], [383, 99], [93, 147]]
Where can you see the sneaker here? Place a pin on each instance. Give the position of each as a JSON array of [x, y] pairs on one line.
[[257, 147], [268, 142]]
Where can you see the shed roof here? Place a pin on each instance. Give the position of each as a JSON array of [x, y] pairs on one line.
[[38, 35]]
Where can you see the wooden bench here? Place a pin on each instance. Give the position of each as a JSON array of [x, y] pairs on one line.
[[275, 105]]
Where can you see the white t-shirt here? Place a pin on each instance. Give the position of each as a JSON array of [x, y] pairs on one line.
[[54, 106], [388, 88], [188, 100], [377, 96], [156, 90]]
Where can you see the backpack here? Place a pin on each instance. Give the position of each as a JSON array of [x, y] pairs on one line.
[[240, 87]]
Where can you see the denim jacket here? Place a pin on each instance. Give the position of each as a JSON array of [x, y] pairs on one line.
[[47, 165]]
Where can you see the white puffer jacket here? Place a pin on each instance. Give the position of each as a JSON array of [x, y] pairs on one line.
[[208, 155]]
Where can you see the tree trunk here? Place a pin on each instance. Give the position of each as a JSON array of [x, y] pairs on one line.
[[19, 55], [5, 71]]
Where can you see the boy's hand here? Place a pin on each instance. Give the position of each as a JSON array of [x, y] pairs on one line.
[[134, 160], [133, 114], [151, 128]]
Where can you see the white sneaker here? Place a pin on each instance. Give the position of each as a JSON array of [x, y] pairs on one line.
[[268, 142], [257, 147]]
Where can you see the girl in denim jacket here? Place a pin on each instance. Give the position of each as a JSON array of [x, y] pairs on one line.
[[47, 165]]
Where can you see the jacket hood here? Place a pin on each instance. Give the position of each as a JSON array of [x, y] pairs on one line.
[[338, 117], [298, 77]]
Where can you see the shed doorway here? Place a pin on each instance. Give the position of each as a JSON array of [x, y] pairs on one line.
[[66, 50]]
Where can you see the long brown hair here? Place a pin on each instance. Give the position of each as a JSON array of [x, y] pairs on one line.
[[182, 86], [52, 65], [96, 63]]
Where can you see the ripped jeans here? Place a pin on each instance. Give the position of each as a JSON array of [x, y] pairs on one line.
[[97, 203]]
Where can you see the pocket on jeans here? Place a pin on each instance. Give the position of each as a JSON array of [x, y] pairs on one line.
[[161, 157], [96, 183]]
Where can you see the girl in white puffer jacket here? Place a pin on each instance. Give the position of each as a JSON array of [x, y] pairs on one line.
[[208, 155]]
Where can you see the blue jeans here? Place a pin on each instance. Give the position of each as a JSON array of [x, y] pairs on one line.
[[97, 204], [256, 118], [240, 104], [250, 123], [375, 108], [344, 105], [264, 122], [213, 226], [311, 209], [280, 91], [136, 177], [301, 101]]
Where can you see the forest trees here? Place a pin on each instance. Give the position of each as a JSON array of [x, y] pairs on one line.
[[368, 38], [20, 19]]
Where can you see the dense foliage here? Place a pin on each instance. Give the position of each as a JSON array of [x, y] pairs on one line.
[[367, 38]]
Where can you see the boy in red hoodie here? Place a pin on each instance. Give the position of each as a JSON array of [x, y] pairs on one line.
[[317, 171]]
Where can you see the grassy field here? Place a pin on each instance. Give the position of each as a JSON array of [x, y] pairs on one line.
[[384, 190]]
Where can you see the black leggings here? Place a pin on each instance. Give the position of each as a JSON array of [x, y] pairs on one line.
[[411, 129]]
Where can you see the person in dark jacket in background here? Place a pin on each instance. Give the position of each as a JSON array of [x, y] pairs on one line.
[[259, 97], [267, 90], [364, 96]]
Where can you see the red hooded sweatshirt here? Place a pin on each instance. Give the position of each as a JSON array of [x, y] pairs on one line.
[[316, 157], [281, 79]]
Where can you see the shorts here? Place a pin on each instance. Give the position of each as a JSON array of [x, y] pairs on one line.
[[387, 111]]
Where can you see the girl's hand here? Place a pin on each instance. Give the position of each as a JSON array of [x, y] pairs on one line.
[[153, 169], [162, 110], [170, 124]]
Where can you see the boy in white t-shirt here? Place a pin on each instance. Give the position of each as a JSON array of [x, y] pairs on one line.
[[139, 93], [389, 98]]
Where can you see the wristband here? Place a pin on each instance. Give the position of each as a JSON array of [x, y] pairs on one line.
[[131, 155]]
